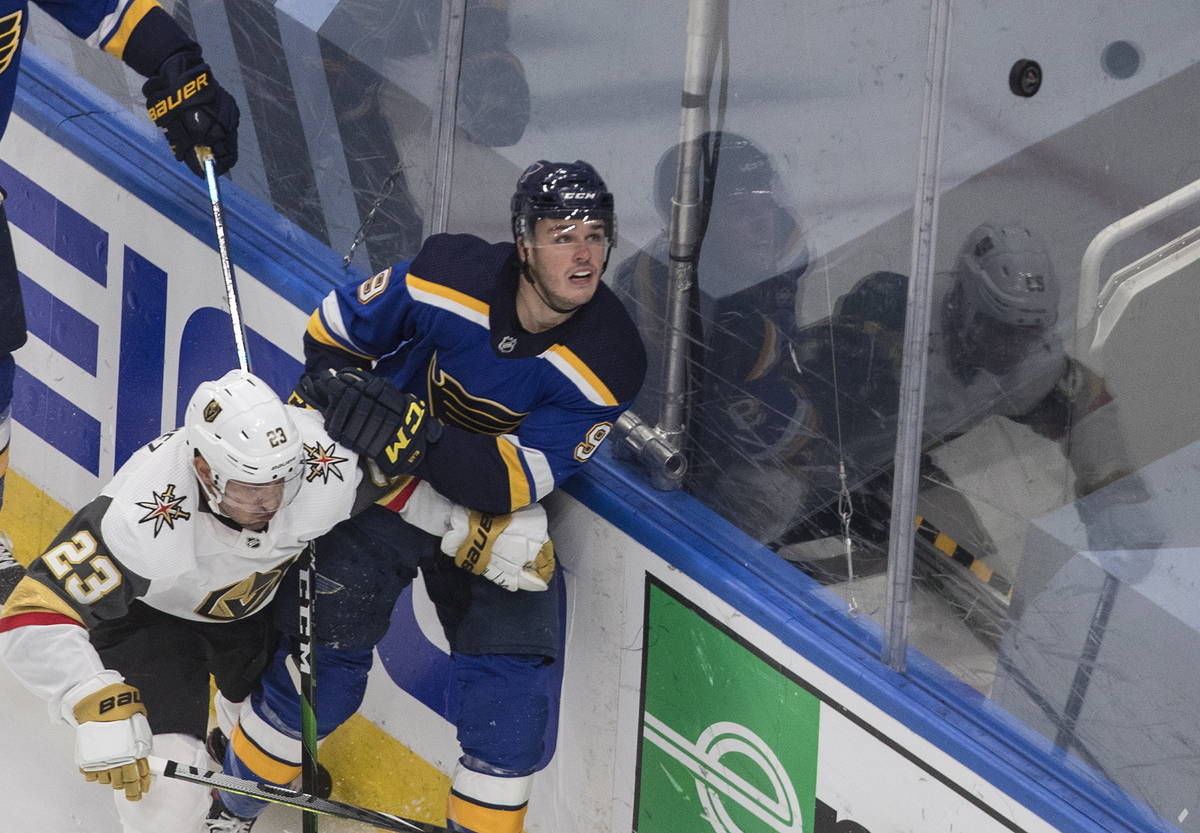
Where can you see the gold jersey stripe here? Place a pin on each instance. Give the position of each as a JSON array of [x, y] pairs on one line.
[[316, 329], [767, 353], [453, 295], [137, 10], [585, 373], [518, 486], [31, 596]]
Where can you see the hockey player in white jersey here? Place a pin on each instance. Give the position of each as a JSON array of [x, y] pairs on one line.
[[165, 578]]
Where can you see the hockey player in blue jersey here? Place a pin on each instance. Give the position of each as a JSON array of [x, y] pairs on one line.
[[182, 98], [492, 372]]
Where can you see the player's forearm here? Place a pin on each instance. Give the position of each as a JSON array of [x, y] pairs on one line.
[[49, 659], [318, 356], [153, 39], [477, 471]]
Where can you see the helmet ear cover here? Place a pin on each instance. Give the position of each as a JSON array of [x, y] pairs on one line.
[[246, 436]]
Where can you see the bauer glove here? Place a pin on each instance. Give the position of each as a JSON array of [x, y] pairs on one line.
[[513, 551], [188, 105], [372, 417], [112, 738]]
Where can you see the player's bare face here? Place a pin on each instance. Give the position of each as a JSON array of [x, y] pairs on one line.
[[251, 504], [564, 260]]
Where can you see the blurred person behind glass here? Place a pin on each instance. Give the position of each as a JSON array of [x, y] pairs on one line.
[[742, 309], [994, 350]]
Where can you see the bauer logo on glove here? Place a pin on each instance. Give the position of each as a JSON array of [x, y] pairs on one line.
[[513, 551], [112, 736]]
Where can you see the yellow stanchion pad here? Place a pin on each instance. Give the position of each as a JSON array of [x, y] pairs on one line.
[[30, 517]]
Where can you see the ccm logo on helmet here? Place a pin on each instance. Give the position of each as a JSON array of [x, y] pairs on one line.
[[579, 195]]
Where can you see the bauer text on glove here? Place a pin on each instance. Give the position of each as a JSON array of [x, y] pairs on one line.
[[513, 551], [193, 110], [113, 739]]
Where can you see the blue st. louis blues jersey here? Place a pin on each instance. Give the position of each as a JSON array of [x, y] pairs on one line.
[[523, 410], [104, 24]]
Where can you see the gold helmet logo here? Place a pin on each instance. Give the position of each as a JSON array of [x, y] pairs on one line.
[[212, 410], [10, 37]]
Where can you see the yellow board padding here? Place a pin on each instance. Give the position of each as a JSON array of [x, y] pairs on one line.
[[370, 768], [30, 517]]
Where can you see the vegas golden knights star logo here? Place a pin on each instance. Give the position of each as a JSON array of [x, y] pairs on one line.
[[212, 410], [240, 600], [165, 509], [322, 462], [10, 37]]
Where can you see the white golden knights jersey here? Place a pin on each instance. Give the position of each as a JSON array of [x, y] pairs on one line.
[[150, 536], [523, 410]]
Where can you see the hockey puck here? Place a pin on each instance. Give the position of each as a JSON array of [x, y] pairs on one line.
[[1025, 78]]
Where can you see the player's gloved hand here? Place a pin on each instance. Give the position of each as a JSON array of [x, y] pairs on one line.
[[188, 105], [372, 417], [513, 551], [113, 738], [306, 393]]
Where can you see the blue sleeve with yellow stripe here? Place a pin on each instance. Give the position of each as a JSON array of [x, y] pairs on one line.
[[502, 474], [139, 32], [522, 411], [349, 322]]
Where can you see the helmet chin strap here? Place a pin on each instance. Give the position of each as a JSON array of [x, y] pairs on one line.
[[212, 495]]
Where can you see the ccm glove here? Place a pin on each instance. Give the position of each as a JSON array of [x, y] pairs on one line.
[[188, 105], [113, 739], [370, 416], [513, 551]]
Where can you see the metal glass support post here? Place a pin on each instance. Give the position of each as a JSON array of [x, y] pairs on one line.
[[454, 21], [661, 448], [916, 341]]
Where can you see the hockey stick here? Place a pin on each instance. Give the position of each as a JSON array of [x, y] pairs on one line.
[[308, 687], [205, 156], [290, 798]]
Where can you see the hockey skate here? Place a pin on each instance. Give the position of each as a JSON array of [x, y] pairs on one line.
[[11, 570], [221, 820]]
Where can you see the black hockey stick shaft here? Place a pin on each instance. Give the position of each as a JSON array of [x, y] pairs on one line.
[[310, 804], [308, 681]]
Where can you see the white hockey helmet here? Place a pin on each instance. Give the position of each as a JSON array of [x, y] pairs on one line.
[[247, 437], [1006, 274]]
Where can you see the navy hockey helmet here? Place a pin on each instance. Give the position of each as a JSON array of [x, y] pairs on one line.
[[742, 168], [566, 190], [880, 300], [1006, 274]]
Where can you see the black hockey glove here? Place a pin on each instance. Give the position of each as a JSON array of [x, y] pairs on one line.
[[188, 105], [370, 416]]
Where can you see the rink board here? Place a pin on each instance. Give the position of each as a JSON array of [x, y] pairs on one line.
[[702, 690]]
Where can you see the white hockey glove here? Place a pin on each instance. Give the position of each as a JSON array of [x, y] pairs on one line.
[[112, 738], [513, 551]]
